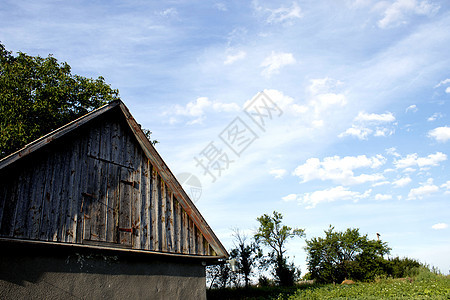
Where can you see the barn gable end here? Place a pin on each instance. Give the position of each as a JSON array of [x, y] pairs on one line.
[[99, 182]]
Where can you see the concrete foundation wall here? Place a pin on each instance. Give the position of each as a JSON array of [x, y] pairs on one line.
[[73, 274]]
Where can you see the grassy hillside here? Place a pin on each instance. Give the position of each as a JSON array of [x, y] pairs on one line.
[[426, 285]]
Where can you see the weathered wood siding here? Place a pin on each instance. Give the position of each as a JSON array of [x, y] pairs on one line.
[[96, 186]]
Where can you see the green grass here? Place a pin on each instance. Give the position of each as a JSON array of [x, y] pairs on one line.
[[426, 285]]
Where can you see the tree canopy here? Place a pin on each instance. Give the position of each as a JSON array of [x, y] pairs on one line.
[[274, 234], [38, 95], [347, 254]]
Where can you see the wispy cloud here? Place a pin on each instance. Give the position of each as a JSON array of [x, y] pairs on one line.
[[413, 160], [235, 57], [412, 108], [402, 182], [275, 61], [366, 124], [311, 200], [383, 197], [401, 11], [435, 116], [198, 108], [427, 188], [278, 173], [440, 134], [340, 170], [446, 186], [440, 226], [443, 82], [283, 14]]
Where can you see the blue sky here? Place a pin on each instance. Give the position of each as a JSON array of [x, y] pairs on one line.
[[360, 135]]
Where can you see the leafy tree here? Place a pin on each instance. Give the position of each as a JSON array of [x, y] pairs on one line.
[[342, 255], [38, 95], [273, 234], [402, 267], [220, 276], [246, 255]]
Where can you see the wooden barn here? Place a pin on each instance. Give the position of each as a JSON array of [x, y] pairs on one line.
[[92, 211]]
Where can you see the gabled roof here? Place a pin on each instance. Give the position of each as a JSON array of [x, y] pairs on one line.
[[150, 153]]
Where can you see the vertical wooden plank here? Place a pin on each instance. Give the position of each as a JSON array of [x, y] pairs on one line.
[[91, 202], [155, 210], [191, 237], [125, 207], [136, 201], [3, 196], [145, 207], [162, 216], [169, 222], [185, 232], [116, 155], [175, 226], [7, 225], [50, 170], [105, 140], [72, 192], [89, 197], [175, 229], [200, 242], [21, 215], [64, 201], [129, 148], [94, 141], [57, 191], [79, 209], [98, 227], [37, 197], [112, 217]]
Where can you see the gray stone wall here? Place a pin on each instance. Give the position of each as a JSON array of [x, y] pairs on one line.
[[55, 273]]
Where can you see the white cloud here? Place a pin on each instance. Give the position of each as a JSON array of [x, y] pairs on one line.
[[383, 132], [393, 151], [402, 182], [412, 108], [447, 90], [310, 200], [383, 197], [325, 95], [435, 116], [380, 183], [169, 12], [277, 173], [284, 14], [446, 186], [199, 107], [365, 124], [221, 6], [398, 12], [324, 101], [275, 61], [340, 170], [440, 134], [426, 189], [323, 85], [235, 57], [443, 82], [440, 226], [290, 197], [375, 118], [412, 160]]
